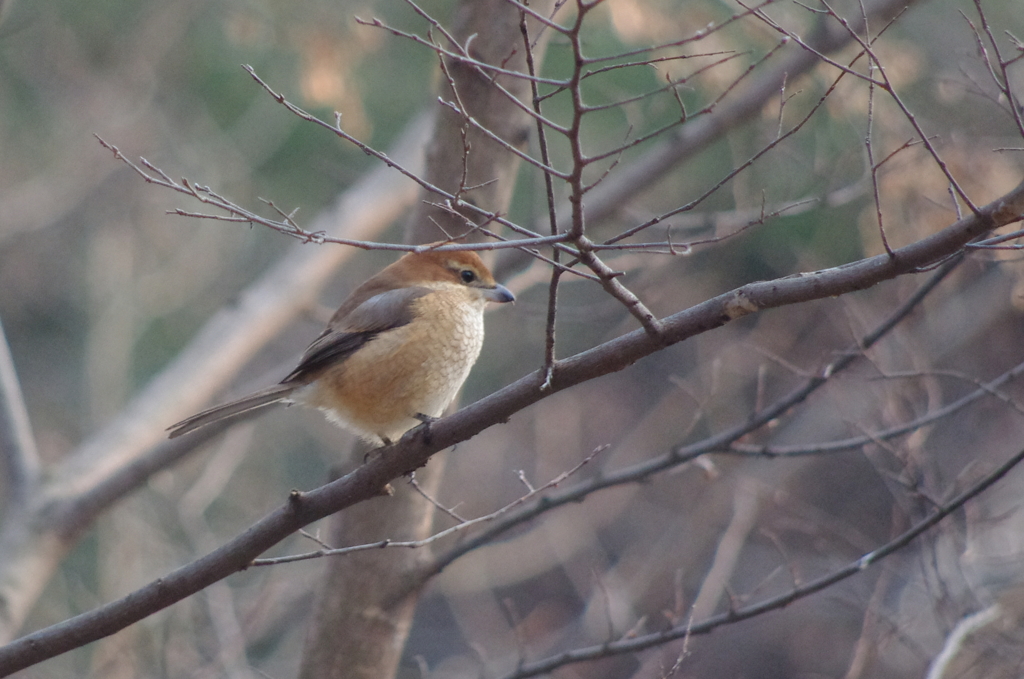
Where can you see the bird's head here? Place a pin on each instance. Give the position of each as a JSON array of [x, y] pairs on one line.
[[441, 269]]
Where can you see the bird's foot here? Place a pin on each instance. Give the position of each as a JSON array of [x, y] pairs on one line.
[[424, 427], [376, 450]]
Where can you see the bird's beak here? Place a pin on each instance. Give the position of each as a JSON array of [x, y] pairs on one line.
[[499, 293]]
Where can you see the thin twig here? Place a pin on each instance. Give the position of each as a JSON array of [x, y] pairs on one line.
[[416, 544]]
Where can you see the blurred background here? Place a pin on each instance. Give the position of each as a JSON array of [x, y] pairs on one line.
[[100, 288]]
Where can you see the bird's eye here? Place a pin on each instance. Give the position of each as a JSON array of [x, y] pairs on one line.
[[467, 276]]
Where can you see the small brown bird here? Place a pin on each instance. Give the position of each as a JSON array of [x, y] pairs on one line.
[[394, 354]]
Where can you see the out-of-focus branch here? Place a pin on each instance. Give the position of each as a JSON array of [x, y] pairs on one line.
[[22, 468], [18, 452]]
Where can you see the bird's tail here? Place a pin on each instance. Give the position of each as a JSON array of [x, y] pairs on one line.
[[267, 396]]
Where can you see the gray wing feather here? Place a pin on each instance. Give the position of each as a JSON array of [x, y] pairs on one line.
[[382, 312]]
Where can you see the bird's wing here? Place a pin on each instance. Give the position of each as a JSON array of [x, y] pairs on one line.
[[379, 313]]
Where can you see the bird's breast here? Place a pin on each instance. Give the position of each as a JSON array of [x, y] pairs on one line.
[[413, 369]]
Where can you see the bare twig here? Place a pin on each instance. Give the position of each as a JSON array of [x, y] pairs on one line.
[[459, 527], [990, 388], [745, 103]]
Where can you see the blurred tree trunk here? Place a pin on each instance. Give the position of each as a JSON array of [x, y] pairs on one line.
[[366, 606]]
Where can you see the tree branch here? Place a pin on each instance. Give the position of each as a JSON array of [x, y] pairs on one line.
[[412, 452]]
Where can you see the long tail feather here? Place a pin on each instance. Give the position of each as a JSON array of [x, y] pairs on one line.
[[273, 394]]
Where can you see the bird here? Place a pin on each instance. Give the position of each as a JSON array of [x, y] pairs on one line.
[[395, 353]]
